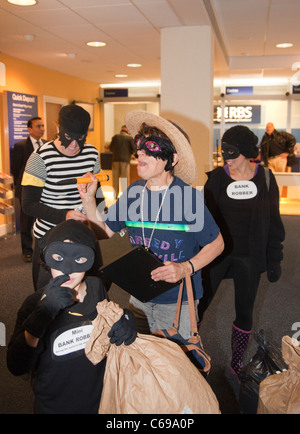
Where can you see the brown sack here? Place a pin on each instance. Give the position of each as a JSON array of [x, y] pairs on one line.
[[280, 393], [150, 376]]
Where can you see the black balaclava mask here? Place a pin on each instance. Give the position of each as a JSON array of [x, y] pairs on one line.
[[157, 147], [73, 122], [239, 140], [76, 255]]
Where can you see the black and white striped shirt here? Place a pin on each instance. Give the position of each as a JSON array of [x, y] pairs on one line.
[[46, 166]]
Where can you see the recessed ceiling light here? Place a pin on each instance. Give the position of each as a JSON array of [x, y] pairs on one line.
[[22, 2], [121, 75], [134, 65], [29, 37], [284, 45], [96, 44]]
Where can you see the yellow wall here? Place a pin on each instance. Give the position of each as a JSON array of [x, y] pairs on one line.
[[32, 79], [28, 78]]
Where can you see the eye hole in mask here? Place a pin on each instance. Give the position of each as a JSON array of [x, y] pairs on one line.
[[58, 258]]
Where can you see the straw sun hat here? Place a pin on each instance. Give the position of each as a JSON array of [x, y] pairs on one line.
[[186, 166]]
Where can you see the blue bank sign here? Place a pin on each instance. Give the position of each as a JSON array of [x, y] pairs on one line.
[[20, 108], [239, 90], [249, 114]]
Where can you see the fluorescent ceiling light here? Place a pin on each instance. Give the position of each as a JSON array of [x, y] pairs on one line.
[[96, 44], [134, 65], [131, 84], [270, 81], [29, 37], [284, 45], [22, 2], [121, 75]]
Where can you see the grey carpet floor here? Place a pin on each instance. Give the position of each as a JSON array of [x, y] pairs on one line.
[[277, 308]]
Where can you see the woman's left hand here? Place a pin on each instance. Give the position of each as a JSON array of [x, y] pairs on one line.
[[170, 272]]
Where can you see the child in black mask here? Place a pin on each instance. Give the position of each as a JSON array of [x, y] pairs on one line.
[[54, 325]]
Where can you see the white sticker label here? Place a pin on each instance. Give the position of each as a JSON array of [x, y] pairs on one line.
[[241, 190], [72, 340]]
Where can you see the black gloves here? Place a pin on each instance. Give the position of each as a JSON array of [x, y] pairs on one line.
[[54, 298], [274, 271], [123, 330]]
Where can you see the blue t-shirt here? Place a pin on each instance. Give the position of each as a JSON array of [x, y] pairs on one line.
[[183, 225]]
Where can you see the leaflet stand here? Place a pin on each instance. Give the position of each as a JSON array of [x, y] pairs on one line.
[[7, 203]]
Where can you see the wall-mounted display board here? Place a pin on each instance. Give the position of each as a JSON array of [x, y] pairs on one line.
[[249, 114], [20, 108]]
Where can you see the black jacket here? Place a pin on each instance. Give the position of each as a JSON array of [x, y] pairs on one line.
[[266, 230], [19, 156], [282, 142]]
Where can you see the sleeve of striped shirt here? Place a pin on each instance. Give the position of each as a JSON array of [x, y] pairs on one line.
[[35, 173]]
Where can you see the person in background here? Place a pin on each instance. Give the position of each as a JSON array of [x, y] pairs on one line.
[[68, 156], [54, 324], [122, 147], [244, 200], [163, 213], [19, 156], [277, 147]]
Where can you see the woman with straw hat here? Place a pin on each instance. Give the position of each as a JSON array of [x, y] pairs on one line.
[[165, 214]]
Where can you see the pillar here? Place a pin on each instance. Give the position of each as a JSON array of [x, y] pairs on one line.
[[187, 73]]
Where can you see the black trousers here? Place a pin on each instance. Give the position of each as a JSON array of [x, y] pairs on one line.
[[26, 223], [246, 279]]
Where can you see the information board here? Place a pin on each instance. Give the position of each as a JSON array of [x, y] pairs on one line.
[[20, 108]]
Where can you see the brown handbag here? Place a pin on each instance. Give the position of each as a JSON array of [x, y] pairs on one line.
[[193, 346]]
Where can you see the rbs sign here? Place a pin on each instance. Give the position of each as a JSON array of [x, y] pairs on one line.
[[238, 113]]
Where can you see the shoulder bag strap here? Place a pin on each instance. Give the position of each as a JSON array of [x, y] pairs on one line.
[[191, 302], [178, 307]]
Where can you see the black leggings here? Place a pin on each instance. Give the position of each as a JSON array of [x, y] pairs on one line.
[[246, 279]]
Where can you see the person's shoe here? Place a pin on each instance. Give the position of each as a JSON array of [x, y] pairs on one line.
[[27, 257]]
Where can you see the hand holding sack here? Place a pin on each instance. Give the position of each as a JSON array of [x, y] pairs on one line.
[[150, 376]]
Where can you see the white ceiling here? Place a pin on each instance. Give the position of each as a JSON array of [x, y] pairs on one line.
[[246, 34]]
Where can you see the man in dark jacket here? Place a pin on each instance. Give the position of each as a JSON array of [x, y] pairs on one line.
[[276, 147], [19, 156], [122, 147]]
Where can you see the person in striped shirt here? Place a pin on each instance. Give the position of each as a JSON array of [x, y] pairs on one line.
[[68, 156]]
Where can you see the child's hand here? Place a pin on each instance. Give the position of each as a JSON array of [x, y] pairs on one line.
[[54, 298], [124, 330]]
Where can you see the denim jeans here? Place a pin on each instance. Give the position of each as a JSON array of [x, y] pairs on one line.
[[153, 316]]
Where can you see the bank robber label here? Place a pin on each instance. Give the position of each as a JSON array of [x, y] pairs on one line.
[[241, 190], [70, 341]]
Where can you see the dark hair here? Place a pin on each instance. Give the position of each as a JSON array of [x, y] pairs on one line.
[[152, 131], [29, 123]]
